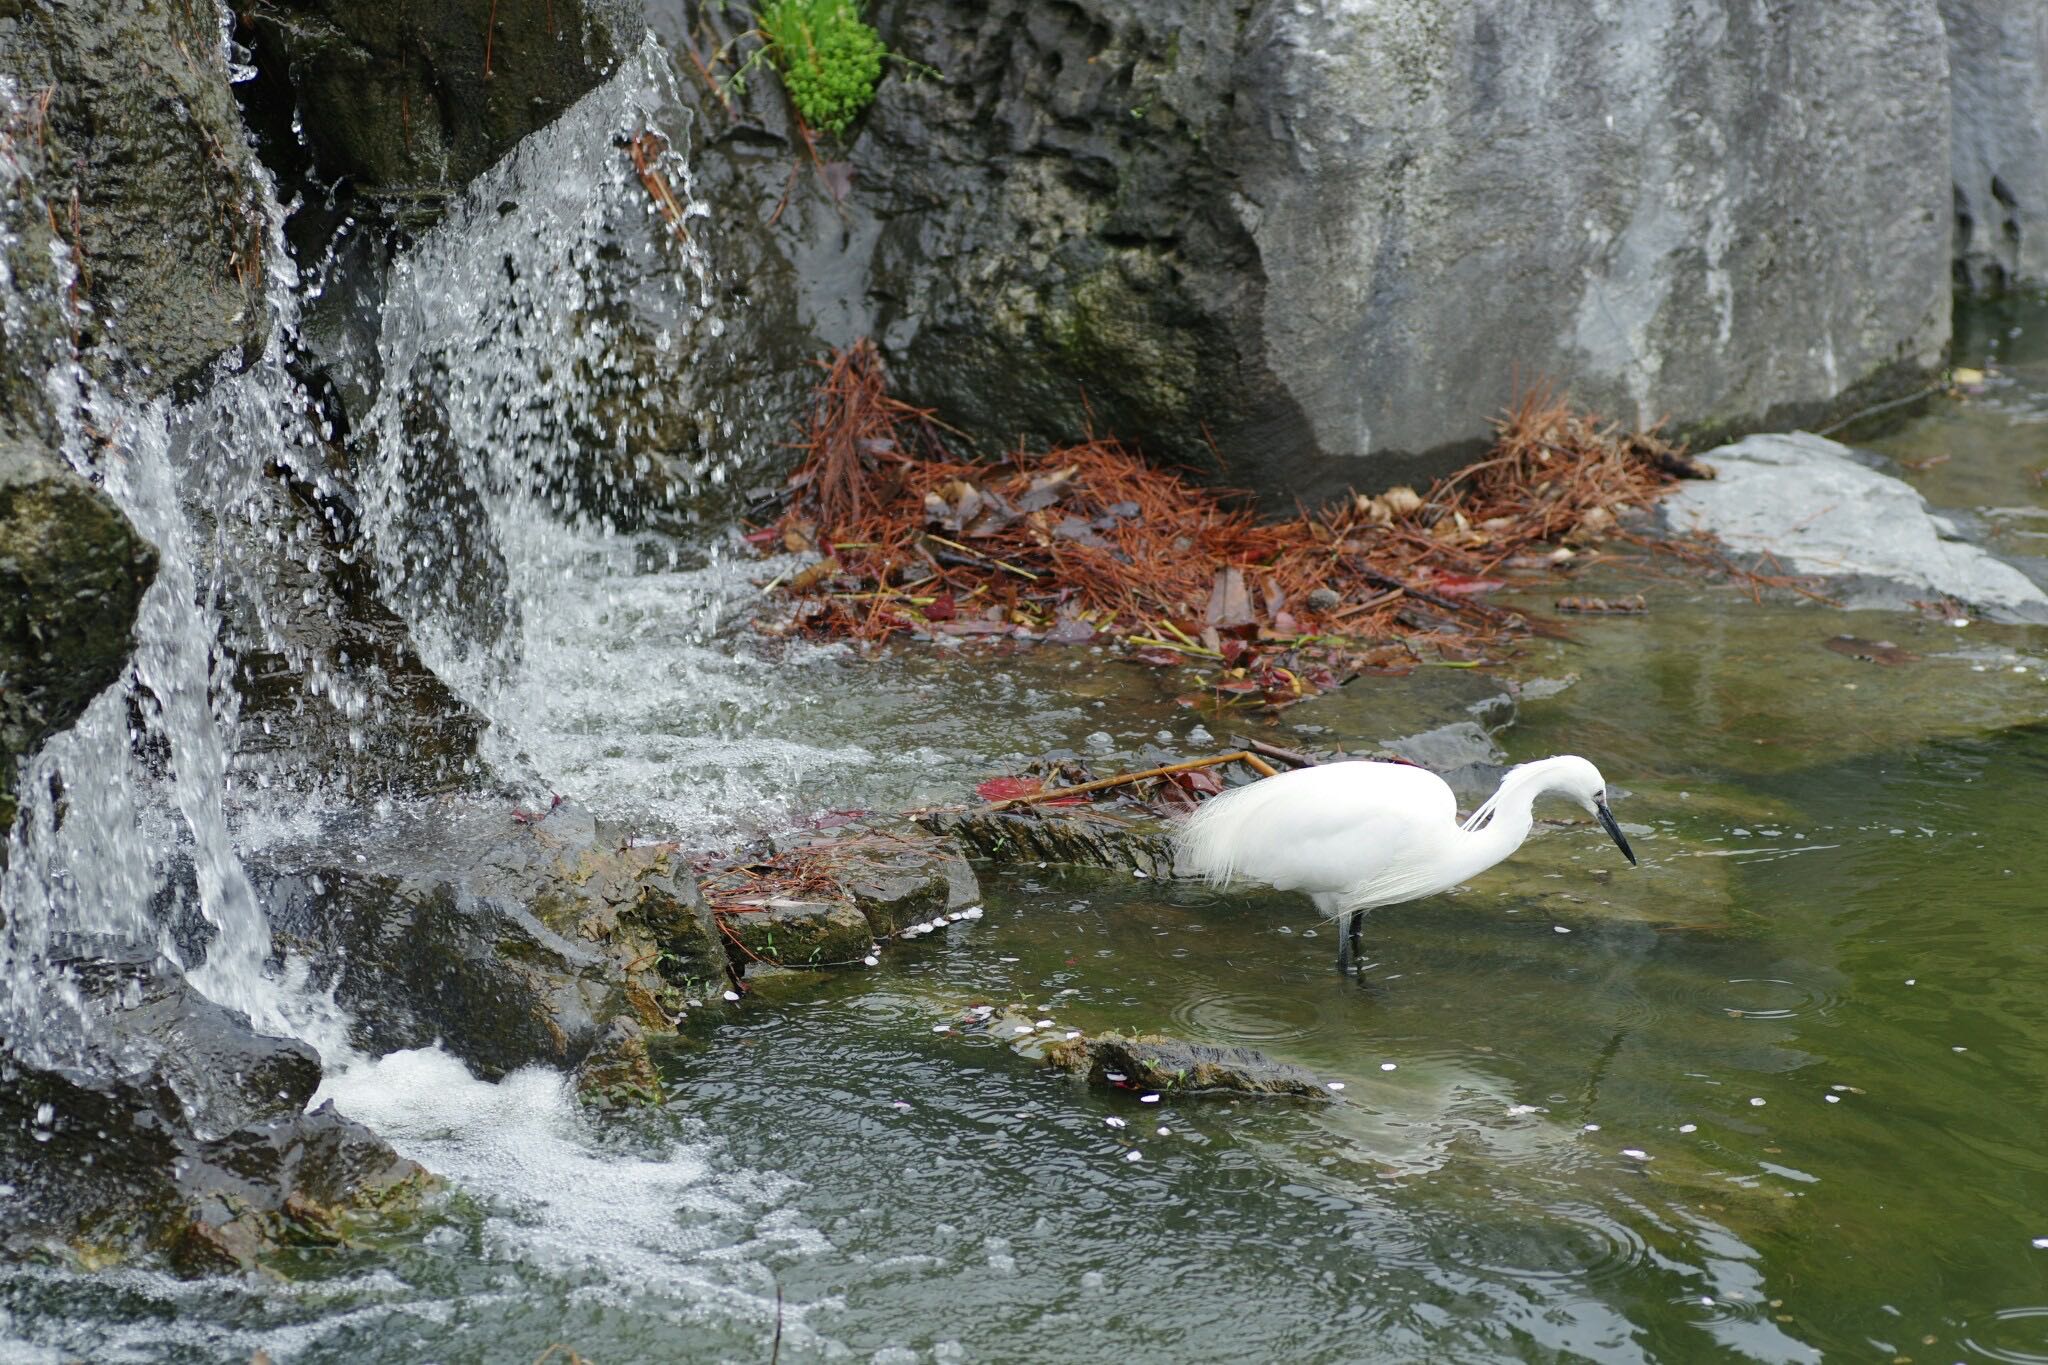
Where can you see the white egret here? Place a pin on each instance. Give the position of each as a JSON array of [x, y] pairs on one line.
[[1360, 834]]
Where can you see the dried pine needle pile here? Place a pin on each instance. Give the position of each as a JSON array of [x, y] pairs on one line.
[[1089, 540]]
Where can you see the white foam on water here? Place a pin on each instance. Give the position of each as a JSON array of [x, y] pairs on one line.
[[666, 1228]]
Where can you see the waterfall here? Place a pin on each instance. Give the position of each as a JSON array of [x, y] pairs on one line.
[[505, 324]]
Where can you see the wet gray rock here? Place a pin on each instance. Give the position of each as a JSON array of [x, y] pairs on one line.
[[1998, 67], [1810, 502], [411, 102], [508, 943], [182, 1135], [156, 194], [906, 881], [1151, 1062], [72, 575], [1329, 240]]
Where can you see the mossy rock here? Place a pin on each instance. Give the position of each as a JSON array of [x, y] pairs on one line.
[[799, 933], [619, 1073]]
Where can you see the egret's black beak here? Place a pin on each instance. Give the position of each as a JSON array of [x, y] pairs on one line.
[[1614, 831]]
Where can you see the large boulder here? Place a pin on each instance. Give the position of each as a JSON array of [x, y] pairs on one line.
[[1818, 509], [1320, 244], [149, 176], [1998, 64]]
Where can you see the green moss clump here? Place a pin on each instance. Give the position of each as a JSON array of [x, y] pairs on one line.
[[828, 56]]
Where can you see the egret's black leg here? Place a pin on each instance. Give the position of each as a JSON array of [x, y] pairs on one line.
[[1347, 940], [1354, 937]]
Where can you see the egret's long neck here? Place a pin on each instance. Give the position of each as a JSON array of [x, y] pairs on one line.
[[1498, 828]]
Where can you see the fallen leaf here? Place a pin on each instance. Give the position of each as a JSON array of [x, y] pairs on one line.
[[1008, 788], [1156, 657], [940, 609], [1229, 603]]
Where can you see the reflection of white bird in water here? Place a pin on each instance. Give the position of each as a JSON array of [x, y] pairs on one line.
[[1356, 835]]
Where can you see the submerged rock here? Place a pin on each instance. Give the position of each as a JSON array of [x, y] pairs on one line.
[[1810, 502], [184, 1134], [509, 944], [1152, 1062]]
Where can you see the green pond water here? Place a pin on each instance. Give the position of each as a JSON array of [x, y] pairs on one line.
[[1778, 1094]]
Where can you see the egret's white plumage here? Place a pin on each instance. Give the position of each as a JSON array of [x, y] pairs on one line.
[[1360, 834]]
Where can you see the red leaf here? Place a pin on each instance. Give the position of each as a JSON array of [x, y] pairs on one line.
[[1158, 658], [762, 538], [1004, 788], [939, 609], [1236, 687], [1201, 781]]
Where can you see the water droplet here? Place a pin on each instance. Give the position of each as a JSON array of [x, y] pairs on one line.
[[1152, 1098], [1333, 1085], [1114, 1122], [1559, 929], [1832, 1099], [1635, 1153], [1134, 1156], [1389, 1066], [1592, 1128], [731, 996], [1757, 1100], [1688, 1127]]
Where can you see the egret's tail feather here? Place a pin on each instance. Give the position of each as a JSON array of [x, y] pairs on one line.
[[1220, 839]]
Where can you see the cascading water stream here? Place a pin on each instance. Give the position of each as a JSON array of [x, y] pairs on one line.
[[146, 801]]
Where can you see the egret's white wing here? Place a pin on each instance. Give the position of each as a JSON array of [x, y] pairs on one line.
[[1350, 828]]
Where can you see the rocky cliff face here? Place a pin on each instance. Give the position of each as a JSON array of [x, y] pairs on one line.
[[1322, 240], [1998, 58]]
